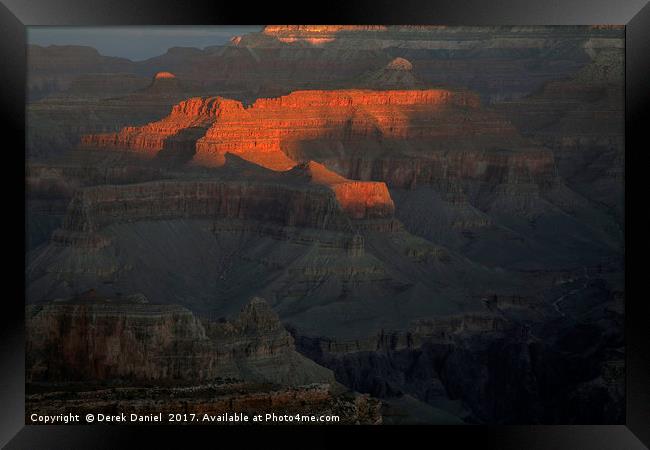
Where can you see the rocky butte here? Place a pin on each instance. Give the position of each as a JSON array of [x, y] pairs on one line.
[[166, 75]]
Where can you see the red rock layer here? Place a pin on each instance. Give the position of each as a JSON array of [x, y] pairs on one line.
[[160, 75], [259, 132], [194, 113], [263, 132], [359, 199], [403, 137]]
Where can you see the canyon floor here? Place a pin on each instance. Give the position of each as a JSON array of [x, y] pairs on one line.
[[393, 224]]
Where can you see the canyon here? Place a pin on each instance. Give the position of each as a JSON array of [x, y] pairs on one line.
[[433, 148], [499, 63], [432, 215]]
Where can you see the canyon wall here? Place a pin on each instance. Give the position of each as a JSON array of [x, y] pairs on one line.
[[195, 113], [95, 340], [310, 206]]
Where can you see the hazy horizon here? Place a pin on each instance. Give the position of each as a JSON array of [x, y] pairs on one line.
[[137, 43]]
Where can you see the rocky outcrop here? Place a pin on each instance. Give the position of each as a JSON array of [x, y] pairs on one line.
[[193, 114], [164, 75], [359, 199], [94, 339]]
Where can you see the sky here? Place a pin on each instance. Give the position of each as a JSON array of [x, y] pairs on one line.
[[137, 42]]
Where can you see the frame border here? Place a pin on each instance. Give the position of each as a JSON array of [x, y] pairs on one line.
[[17, 14]]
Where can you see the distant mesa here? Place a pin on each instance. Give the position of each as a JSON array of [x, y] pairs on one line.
[[397, 74], [166, 83], [164, 75], [400, 64]]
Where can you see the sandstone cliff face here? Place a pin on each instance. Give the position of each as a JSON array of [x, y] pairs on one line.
[[261, 131], [274, 125], [97, 340], [193, 113], [402, 137], [359, 199]]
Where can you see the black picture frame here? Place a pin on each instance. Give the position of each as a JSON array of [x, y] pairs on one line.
[[15, 15]]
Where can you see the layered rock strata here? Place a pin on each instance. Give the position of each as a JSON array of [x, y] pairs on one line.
[[320, 207], [92, 339], [401, 137]]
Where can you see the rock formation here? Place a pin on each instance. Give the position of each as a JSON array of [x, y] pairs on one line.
[[498, 63], [164, 75], [260, 130], [397, 74], [306, 125], [94, 339], [190, 116], [458, 364], [309, 196]]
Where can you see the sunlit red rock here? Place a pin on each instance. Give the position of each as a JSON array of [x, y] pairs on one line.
[[359, 199], [166, 75], [258, 132], [403, 137], [266, 131], [194, 113]]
